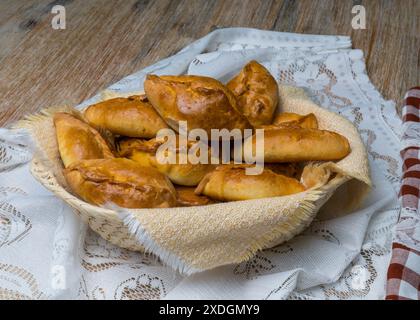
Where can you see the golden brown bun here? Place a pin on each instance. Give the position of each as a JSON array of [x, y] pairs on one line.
[[257, 93], [292, 144], [132, 117], [78, 141], [308, 121], [144, 152], [121, 181], [230, 183], [201, 101], [188, 198]]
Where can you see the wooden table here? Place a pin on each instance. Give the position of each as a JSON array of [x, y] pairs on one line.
[[107, 40]]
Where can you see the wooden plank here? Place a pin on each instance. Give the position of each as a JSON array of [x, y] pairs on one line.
[[107, 40]]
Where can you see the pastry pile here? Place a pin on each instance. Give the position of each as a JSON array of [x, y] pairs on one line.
[[110, 154]]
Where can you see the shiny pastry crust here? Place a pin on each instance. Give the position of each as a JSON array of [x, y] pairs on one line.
[[257, 93], [308, 121], [230, 183], [78, 141], [293, 144], [144, 152], [203, 102], [120, 181], [187, 197], [132, 117]]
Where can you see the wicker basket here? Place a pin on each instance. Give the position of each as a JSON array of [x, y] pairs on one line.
[[194, 238]]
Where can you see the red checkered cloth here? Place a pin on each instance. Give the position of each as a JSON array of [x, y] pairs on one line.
[[403, 281]]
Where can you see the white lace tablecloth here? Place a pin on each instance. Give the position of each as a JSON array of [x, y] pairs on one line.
[[47, 253]]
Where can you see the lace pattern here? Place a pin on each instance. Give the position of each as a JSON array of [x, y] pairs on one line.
[[335, 77]]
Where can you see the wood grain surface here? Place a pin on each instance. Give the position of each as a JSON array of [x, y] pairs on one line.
[[107, 40]]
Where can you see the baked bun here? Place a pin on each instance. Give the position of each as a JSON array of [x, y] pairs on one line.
[[144, 152], [231, 183], [187, 198], [308, 121], [132, 117], [257, 93], [203, 102], [78, 141], [294, 144], [121, 181]]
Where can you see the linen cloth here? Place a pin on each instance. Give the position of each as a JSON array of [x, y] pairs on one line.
[[46, 252], [404, 269], [199, 238]]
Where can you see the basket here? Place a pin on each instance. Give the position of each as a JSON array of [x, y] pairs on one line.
[[192, 239]]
